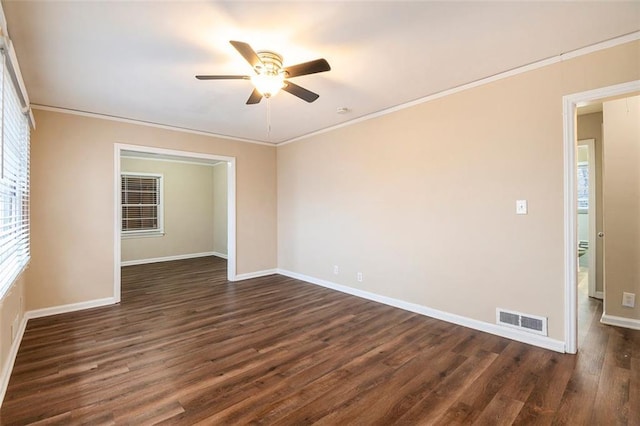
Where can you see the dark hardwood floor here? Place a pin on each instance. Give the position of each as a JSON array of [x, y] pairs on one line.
[[185, 346]]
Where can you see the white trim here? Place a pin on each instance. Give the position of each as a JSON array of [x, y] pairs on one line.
[[167, 258], [7, 368], [256, 274], [16, 76], [13, 67], [620, 321], [220, 255], [144, 123], [506, 74], [231, 220], [117, 228], [520, 336], [616, 41], [132, 235], [231, 203], [3, 22], [570, 230], [72, 307], [599, 295], [570, 103], [171, 160]]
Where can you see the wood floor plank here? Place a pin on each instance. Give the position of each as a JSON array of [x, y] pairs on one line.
[[502, 410], [185, 346], [332, 371], [508, 367], [520, 386], [436, 403], [576, 406], [546, 395], [611, 404], [411, 377], [634, 392]]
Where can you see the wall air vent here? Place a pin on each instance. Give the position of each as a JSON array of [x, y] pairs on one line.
[[525, 322]]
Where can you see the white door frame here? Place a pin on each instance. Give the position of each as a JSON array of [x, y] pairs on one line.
[[570, 103], [231, 204], [592, 211]]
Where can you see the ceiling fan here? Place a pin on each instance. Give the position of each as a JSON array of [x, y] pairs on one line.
[[270, 76]]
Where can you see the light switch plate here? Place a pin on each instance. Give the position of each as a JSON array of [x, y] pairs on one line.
[[521, 207], [628, 299]]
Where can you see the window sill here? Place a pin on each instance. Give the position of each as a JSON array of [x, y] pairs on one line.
[[130, 235]]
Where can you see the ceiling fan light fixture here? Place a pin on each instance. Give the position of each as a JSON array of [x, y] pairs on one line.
[[270, 76], [268, 84]]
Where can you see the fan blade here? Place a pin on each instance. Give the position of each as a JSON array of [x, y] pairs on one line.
[[312, 67], [300, 92], [247, 53], [255, 97], [223, 77]]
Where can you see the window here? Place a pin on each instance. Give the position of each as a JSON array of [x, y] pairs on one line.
[[141, 203], [14, 183]]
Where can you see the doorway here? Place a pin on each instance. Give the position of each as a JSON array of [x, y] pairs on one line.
[[571, 240], [181, 156], [587, 215]]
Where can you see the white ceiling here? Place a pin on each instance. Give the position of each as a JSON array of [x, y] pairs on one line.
[[137, 60]]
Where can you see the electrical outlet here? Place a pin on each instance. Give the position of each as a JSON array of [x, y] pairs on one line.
[[359, 276], [628, 299], [521, 207], [336, 270]]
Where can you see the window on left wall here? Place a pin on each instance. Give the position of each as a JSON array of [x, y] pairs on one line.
[[14, 183], [141, 204]]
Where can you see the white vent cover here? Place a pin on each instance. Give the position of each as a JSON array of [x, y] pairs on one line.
[[525, 322]]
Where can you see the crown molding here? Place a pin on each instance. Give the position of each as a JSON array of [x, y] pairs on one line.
[[144, 123], [627, 38]]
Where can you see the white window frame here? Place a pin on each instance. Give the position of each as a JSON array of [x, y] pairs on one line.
[[137, 233], [14, 181]]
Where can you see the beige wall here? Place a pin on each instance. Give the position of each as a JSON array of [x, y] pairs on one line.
[[187, 204], [220, 212], [622, 204], [72, 211], [422, 201], [11, 307], [589, 126]]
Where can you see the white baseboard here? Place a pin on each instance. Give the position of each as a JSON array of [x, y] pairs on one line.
[[520, 336], [63, 309], [221, 255], [7, 368], [256, 274], [599, 295], [169, 258], [620, 321]]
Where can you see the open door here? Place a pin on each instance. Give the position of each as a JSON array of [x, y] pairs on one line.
[[587, 214]]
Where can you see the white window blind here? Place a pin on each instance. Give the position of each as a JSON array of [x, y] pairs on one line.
[[141, 203], [14, 183]]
